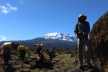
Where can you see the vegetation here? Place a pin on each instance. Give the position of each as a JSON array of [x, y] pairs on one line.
[[27, 59]]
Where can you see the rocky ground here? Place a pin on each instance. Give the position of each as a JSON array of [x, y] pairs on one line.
[[63, 63]]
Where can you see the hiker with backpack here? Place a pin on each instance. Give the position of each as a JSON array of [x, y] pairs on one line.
[[82, 30]]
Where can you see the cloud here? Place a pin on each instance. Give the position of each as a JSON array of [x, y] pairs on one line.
[[7, 8], [3, 38]]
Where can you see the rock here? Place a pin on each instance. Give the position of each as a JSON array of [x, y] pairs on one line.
[[99, 39]]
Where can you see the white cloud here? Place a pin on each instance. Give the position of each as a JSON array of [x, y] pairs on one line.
[[3, 38], [7, 8]]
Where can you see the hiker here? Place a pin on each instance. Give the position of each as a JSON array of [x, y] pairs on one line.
[[82, 31]]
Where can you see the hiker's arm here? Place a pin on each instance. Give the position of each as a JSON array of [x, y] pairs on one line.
[[76, 29], [88, 27]]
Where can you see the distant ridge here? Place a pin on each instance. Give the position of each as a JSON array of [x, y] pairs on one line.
[[51, 40]]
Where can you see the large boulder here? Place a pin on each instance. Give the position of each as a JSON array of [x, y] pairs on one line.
[[99, 38]]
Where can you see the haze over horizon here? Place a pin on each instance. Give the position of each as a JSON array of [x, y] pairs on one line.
[[27, 19]]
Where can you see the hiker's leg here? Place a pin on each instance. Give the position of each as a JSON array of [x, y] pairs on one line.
[[81, 52], [89, 51]]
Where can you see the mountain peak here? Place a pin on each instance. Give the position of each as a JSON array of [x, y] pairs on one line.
[[59, 36]]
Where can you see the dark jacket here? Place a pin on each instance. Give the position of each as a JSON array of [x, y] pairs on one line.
[[82, 27]]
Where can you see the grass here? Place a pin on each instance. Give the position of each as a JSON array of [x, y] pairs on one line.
[[64, 62]]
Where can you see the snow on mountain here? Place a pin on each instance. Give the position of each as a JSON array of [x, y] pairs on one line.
[[59, 36]]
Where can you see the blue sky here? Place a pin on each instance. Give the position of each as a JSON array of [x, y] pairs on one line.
[[27, 19]]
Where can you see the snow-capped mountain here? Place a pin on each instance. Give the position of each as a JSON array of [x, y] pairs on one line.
[[51, 40], [59, 36]]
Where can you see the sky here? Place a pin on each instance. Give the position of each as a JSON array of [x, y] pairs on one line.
[[27, 19]]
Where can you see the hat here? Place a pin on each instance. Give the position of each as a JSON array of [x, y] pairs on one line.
[[82, 17]]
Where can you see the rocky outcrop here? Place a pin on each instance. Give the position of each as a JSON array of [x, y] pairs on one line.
[[99, 38]]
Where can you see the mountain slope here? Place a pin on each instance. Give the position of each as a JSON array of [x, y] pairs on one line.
[[52, 40], [51, 43]]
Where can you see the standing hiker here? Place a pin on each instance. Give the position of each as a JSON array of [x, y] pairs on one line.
[[82, 30]]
